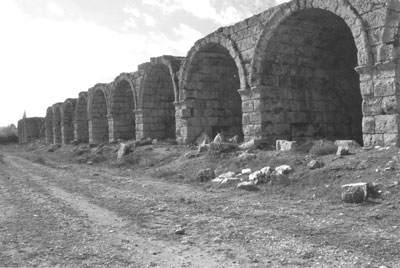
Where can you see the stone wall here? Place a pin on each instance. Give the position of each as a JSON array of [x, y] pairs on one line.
[[81, 129], [303, 70], [30, 129]]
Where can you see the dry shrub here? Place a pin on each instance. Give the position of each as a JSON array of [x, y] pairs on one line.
[[218, 149]]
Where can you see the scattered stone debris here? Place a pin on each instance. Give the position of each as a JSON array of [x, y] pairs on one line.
[[143, 142], [283, 145], [205, 175], [341, 151], [284, 169], [314, 164], [234, 139], [248, 186], [217, 240]]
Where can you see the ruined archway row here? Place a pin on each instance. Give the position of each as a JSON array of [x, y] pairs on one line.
[[301, 70]]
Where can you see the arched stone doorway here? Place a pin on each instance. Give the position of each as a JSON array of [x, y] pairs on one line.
[[98, 121], [49, 125], [157, 103], [81, 129], [57, 136], [311, 88], [210, 91], [67, 125], [122, 117]]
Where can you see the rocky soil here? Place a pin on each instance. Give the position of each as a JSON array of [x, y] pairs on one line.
[[78, 206]]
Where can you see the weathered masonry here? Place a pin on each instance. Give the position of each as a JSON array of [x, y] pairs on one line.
[[307, 69], [30, 129]]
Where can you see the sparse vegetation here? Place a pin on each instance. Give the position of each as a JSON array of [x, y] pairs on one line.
[[1, 158], [218, 149], [317, 148]]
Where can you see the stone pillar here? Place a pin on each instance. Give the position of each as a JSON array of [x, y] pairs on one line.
[[140, 132], [251, 109], [188, 127], [57, 136], [380, 90]]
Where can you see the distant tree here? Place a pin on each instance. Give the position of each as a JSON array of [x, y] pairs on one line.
[[8, 134]]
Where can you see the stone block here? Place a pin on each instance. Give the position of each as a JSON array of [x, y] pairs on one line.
[[354, 192], [387, 124], [366, 88], [283, 145], [372, 106], [390, 104], [383, 88], [368, 124], [391, 139]]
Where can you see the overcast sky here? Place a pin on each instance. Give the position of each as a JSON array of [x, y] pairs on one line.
[[51, 50]]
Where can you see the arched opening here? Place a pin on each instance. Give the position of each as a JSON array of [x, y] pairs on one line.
[[57, 124], [81, 128], [213, 83], [122, 112], [98, 116], [67, 123], [49, 125], [312, 90], [158, 98]]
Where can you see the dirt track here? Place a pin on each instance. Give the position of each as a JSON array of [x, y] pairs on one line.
[[80, 215]]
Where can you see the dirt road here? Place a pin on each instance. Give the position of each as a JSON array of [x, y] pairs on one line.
[[57, 215]]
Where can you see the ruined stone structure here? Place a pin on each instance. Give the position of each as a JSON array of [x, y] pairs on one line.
[[30, 129], [304, 69]]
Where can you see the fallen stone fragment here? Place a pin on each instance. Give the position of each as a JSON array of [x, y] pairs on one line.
[[228, 174], [342, 151], [247, 186], [284, 169], [123, 150], [219, 138], [249, 145], [227, 182], [259, 177], [180, 231], [267, 170], [217, 239], [203, 139], [283, 145], [351, 144], [355, 192], [205, 174], [314, 164], [246, 171], [277, 178]]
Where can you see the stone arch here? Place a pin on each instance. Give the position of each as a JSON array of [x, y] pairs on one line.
[[98, 115], [49, 125], [67, 120], [211, 76], [57, 136], [156, 98], [340, 8], [212, 39], [122, 106], [81, 129], [306, 70]]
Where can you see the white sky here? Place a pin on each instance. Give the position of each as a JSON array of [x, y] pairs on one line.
[[51, 50]]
